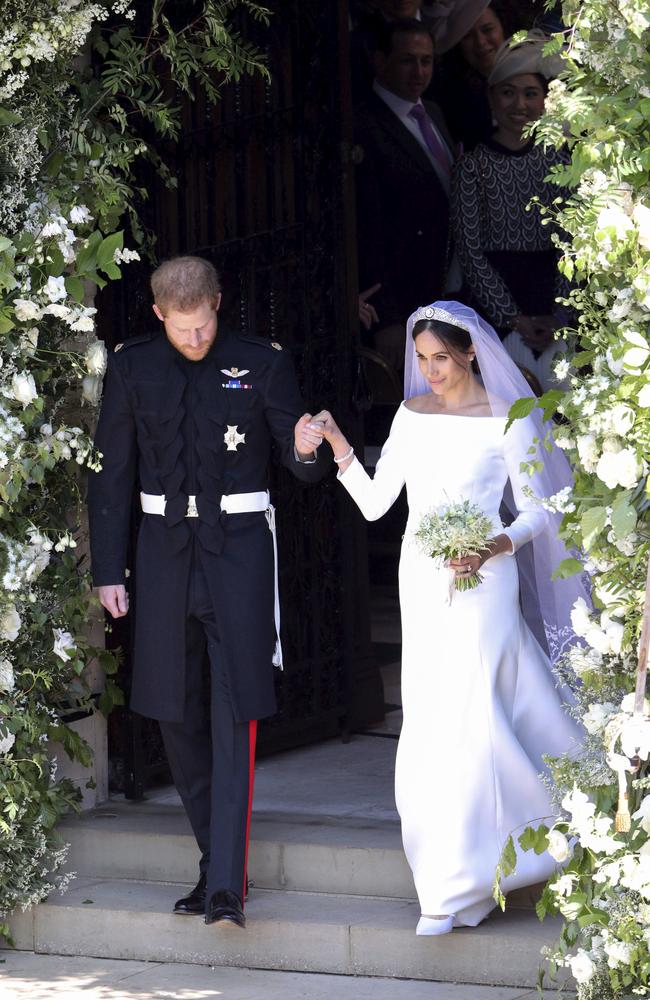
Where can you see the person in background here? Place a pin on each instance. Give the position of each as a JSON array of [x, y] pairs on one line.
[[467, 36], [368, 23], [506, 253], [402, 184]]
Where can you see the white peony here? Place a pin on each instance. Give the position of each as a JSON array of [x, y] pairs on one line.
[[24, 388], [613, 630], [641, 216], [635, 737], [622, 419], [618, 953], [558, 846], [10, 623], [588, 451], [597, 717], [614, 218], [96, 358], [6, 676], [6, 742], [64, 644], [54, 289], [582, 967], [643, 814], [58, 310], [621, 468], [580, 619], [91, 389], [26, 310]]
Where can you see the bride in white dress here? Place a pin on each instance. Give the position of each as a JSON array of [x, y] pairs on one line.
[[480, 701]]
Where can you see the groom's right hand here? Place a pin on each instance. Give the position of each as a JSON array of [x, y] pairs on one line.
[[115, 599]]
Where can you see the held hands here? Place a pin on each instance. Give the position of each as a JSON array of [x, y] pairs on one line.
[[115, 599], [336, 439], [307, 436]]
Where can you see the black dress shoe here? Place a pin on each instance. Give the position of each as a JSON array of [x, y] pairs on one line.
[[192, 905], [225, 905]]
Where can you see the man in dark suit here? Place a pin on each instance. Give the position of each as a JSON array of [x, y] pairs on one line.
[[402, 184], [190, 414]]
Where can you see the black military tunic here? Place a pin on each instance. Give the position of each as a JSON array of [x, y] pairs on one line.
[[178, 428]]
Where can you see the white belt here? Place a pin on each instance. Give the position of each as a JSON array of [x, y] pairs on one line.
[[234, 503]]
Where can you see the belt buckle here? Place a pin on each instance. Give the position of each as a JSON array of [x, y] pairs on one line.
[[191, 507]]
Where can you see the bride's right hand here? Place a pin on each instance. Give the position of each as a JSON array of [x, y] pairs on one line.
[[327, 426]]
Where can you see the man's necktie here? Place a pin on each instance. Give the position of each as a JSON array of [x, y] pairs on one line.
[[433, 142]]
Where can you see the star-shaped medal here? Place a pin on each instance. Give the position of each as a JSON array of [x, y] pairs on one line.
[[233, 438]]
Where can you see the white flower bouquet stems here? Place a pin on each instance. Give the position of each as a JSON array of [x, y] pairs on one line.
[[453, 531]]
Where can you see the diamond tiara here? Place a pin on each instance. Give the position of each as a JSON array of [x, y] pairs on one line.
[[431, 312]]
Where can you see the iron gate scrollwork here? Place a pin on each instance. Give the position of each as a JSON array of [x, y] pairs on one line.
[[264, 191]]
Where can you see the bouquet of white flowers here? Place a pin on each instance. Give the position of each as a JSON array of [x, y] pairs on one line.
[[452, 531]]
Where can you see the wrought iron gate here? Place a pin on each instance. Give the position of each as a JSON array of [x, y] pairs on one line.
[[265, 192]]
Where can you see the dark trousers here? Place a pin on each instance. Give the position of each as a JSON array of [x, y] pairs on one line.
[[212, 757]]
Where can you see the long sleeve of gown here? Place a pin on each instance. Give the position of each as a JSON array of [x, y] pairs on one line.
[[375, 495], [531, 516]]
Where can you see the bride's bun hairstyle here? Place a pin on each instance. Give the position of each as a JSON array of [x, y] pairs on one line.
[[456, 340]]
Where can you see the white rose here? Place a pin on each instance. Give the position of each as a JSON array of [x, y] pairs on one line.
[[26, 310], [96, 358], [558, 846], [582, 967], [635, 738], [622, 418], [64, 644], [597, 717], [587, 450], [6, 742], [91, 389], [613, 630], [54, 289], [580, 619], [613, 218], [24, 388], [643, 398], [641, 216], [10, 624], [618, 953], [6, 676], [620, 468], [58, 310]]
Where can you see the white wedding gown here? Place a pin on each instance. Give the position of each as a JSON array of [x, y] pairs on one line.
[[479, 699]]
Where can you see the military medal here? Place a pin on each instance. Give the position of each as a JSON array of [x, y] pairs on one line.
[[234, 378], [233, 438]]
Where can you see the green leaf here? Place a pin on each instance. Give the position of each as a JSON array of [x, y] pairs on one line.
[[107, 249], [5, 243], [75, 287], [87, 256], [521, 408], [55, 163], [592, 523], [534, 839], [567, 568], [6, 323], [56, 264], [623, 516], [8, 117], [549, 402]]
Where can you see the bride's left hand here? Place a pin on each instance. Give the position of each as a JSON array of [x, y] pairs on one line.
[[471, 563]]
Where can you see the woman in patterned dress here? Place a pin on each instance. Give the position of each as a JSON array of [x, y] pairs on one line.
[[506, 253]]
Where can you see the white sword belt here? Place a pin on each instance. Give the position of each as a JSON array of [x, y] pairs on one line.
[[234, 503]]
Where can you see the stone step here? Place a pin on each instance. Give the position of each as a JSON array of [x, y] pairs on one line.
[[296, 931], [300, 852], [304, 852]]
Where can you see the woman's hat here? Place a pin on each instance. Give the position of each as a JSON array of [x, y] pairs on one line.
[[452, 19], [525, 57]]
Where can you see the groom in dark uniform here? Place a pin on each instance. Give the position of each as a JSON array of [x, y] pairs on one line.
[[189, 415]]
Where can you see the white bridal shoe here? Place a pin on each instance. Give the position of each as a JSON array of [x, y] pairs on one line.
[[430, 926]]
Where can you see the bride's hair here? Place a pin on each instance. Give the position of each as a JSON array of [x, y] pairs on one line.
[[455, 339]]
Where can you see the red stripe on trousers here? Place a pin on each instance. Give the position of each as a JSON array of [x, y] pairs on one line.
[[252, 740]]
